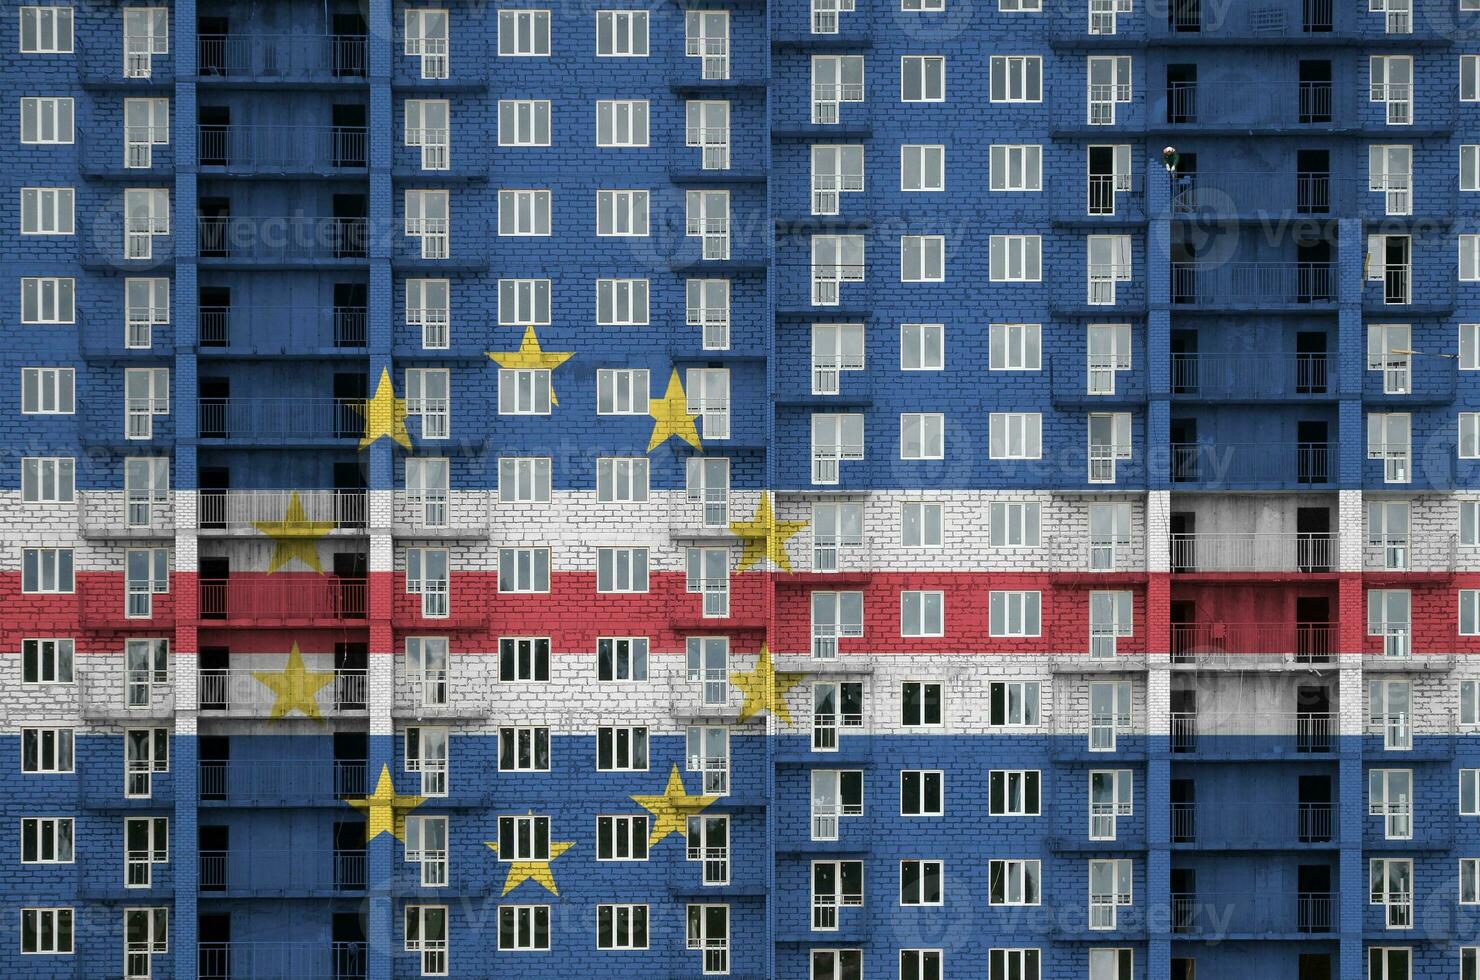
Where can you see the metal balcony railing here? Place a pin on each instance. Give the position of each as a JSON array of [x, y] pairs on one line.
[[1269, 465], [1245, 733], [1311, 642], [1405, 553], [243, 510], [264, 601], [281, 961], [264, 329], [282, 57], [1253, 283], [240, 691], [273, 781], [281, 418], [285, 148], [1210, 915], [282, 238], [282, 871], [1240, 552], [1272, 823], [1281, 18], [1305, 192], [1245, 376], [1252, 105]]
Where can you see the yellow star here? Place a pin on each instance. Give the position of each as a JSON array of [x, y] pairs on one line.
[[765, 687], [671, 416], [672, 808], [765, 537], [294, 537], [535, 871], [385, 414], [385, 812], [295, 687], [529, 356]]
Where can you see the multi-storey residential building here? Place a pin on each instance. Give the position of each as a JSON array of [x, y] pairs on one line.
[[916, 489]]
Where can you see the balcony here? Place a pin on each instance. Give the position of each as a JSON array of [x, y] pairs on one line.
[[239, 693], [1253, 195], [1253, 377], [1244, 106], [1263, 466], [287, 600], [1253, 735], [108, 515], [240, 511], [281, 873], [1272, 824], [281, 421], [1298, 21], [257, 331], [1193, 643], [1427, 553], [286, 240], [281, 961], [284, 150], [282, 782], [1304, 552], [1253, 285], [282, 58], [1218, 916]]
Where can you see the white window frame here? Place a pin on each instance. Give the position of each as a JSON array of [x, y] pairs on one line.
[[524, 33], [523, 122]]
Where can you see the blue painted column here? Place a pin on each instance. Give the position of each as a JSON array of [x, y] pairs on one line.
[[1158, 326], [1351, 355]]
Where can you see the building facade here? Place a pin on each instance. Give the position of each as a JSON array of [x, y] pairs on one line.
[[930, 490]]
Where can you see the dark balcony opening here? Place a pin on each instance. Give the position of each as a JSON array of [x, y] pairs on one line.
[[215, 135], [215, 227], [1184, 559], [1181, 93], [214, 573], [1184, 811], [215, 762], [348, 46], [215, 316], [213, 480], [1186, 460], [1316, 966], [215, 406], [351, 300], [1184, 716], [1101, 180], [1184, 899], [1314, 272], [1313, 181], [1315, 91], [1184, 968], [214, 663], [348, 226], [349, 401], [1317, 815], [1184, 362], [351, 749], [214, 949], [1314, 547], [1396, 261], [348, 136], [1312, 373], [1315, 17], [1184, 16], [215, 858], [1314, 725], [211, 49], [1314, 906], [349, 855], [1312, 452], [351, 669]]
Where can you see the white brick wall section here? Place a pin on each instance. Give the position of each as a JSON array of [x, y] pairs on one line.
[[1158, 700], [380, 692], [187, 509], [187, 692], [1158, 531], [1351, 531], [382, 504], [1351, 701]]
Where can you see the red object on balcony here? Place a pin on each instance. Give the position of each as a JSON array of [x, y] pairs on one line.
[[295, 599]]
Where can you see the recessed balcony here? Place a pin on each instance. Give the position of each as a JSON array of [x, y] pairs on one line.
[[283, 150], [264, 331], [1291, 376], [1263, 465], [1248, 825], [1253, 285], [280, 421], [281, 873], [299, 960], [1303, 552], [1198, 106], [282, 782], [240, 693], [282, 240], [1193, 643], [287, 600], [282, 58], [1219, 916], [1253, 735], [241, 511]]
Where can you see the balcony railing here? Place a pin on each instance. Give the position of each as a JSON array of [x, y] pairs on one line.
[[243, 510], [240, 691], [282, 329], [286, 600], [1310, 642], [1212, 915], [1404, 553], [281, 418], [1268, 465], [282, 57], [284, 148], [278, 238], [281, 961], [1277, 19], [1237, 734], [1297, 552], [282, 872], [1249, 105], [1247, 376], [1272, 823], [1229, 194], [275, 781], [1259, 284]]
